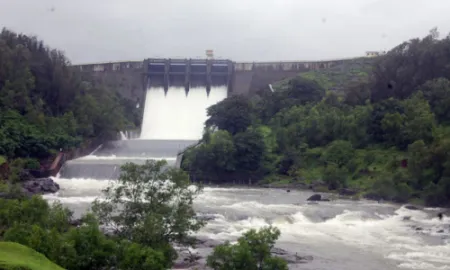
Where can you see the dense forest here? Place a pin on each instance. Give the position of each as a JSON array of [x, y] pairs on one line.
[[46, 106], [386, 136]]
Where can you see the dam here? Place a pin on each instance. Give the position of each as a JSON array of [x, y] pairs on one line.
[[174, 94], [132, 78]]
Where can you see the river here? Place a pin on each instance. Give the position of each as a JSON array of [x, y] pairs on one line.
[[340, 235]]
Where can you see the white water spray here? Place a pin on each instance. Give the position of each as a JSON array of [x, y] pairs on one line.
[[175, 116], [123, 136]]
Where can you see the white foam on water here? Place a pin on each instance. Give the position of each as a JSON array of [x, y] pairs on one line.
[[422, 266], [114, 157], [77, 191], [388, 235]]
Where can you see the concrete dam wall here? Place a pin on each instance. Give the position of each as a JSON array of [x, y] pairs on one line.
[[132, 78], [188, 73]]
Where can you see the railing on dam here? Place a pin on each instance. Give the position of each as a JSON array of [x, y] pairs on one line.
[[112, 66]]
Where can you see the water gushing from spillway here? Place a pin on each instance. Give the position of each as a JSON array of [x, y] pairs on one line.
[[172, 121], [175, 115]]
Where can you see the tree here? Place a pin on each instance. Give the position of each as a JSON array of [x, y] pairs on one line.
[[299, 91], [40, 92], [151, 205], [338, 152], [250, 152], [305, 90], [213, 160], [409, 65], [437, 92], [252, 252], [233, 114]]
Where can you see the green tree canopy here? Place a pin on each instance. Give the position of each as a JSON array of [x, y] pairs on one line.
[[151, 204], [252, 252]]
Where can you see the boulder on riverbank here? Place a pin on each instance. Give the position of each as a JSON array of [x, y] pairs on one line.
[[40, 186]]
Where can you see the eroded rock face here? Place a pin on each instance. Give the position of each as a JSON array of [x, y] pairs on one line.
[[40, 186]]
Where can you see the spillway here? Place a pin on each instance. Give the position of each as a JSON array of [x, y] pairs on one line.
[[177, 115], [172, 121]]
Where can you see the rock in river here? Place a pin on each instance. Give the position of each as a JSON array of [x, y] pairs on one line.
[[318, 198], [315, 198], [40, 186]]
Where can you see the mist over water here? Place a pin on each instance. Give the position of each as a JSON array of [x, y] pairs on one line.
[[175, 115]]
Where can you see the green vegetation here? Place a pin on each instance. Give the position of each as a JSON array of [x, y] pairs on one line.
[[155, 212], [45, 106], [251, 252], [157, 207], [158, 212], [16, 256], [337, 78], [385, 136]]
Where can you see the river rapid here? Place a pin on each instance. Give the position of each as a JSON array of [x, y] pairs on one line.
[[340, 235]]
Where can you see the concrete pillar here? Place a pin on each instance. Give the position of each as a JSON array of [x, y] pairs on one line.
[[166, 75], [145, 75], [230, 77], [208, 76], [187, 76]]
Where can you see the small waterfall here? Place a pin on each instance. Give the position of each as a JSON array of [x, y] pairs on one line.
[[123, 136]]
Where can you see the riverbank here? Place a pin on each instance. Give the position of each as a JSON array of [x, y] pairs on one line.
[[317, 187], [331, 195]]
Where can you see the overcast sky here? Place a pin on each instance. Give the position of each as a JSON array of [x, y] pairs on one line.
[[241, 30]]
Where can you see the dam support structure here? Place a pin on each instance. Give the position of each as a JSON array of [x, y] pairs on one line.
[[187, 73]]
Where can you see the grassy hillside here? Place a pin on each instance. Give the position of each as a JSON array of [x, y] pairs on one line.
[[338, 77], [15, 256]]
